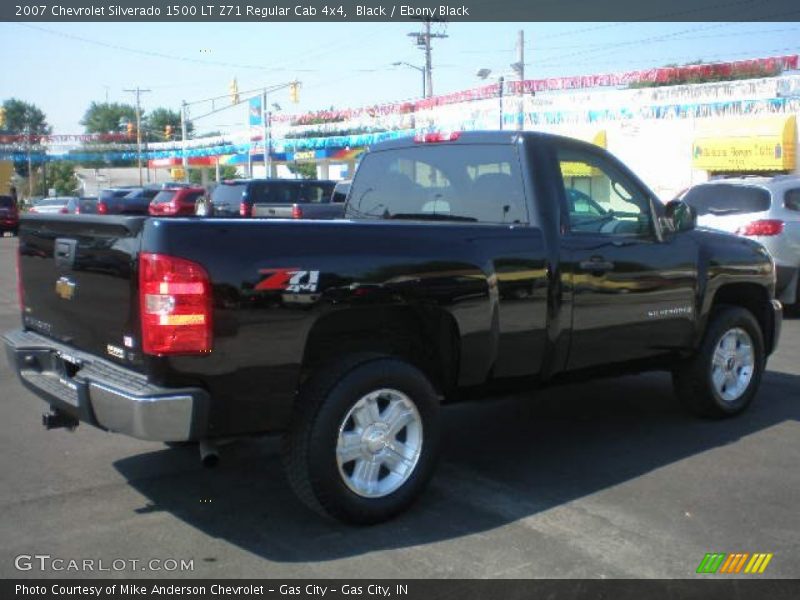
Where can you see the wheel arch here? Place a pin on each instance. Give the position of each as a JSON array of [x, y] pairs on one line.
[[426, 337]]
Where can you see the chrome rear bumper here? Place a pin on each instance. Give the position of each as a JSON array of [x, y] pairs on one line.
[[104, 394]]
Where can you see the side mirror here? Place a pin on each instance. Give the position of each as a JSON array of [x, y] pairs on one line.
[[680, 215]]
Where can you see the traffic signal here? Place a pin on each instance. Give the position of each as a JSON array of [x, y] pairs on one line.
[[131, 129], [234, 91], [168, 132], [294, 92]]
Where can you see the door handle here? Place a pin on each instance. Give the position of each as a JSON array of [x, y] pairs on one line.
[[596, 265]]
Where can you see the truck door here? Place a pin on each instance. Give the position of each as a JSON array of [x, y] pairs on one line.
[[633, 293]]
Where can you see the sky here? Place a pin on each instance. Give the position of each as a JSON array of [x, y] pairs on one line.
[[63, 67]]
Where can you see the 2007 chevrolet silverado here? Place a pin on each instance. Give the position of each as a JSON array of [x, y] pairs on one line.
[[467, 264]]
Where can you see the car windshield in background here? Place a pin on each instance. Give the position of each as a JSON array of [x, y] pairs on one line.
[[226, 193], [727, 199], [52, 202], [440, 182], [6, 202], [164, 197]]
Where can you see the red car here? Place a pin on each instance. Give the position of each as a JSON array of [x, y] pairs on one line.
[[9, 215], [177, 201]]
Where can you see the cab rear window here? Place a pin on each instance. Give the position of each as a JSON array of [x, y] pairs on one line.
[[455, 182]]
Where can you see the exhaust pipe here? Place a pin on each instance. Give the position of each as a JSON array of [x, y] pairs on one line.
[[209, 454], [56, 419]]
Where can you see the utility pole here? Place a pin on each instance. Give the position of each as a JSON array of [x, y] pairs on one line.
[[138, 92], [184, 155], [267, 126], [520, 64], [424, 42]]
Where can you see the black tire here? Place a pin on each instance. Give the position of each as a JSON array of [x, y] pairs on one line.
[[693, 379], [310, 445]]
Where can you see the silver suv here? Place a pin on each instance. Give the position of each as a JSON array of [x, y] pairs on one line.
[[766, 209]]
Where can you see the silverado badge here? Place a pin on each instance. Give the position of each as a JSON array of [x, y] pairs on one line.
[[65, 288]]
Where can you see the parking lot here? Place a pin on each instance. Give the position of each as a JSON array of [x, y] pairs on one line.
[[607, 479]]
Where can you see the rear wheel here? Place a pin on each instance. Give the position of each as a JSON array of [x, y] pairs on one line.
[[722, 378], [364, 439]]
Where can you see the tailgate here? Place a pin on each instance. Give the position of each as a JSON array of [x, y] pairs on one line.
[[274, 211], [79, 282]]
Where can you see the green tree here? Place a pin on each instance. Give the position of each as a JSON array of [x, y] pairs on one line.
[[158, 120], [107, 117], [305, 170], [61, 176], [225, 172], [24, 118]]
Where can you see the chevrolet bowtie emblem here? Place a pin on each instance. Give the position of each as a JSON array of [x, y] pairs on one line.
[[65, 288]]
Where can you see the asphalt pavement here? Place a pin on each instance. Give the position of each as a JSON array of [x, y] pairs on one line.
[[605, 479]]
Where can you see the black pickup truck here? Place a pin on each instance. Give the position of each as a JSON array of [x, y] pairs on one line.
[[467, 265]]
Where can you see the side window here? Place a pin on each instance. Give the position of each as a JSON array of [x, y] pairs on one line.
[[600, 198], [792, 199]]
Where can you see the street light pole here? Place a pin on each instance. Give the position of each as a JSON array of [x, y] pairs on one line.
[[420, 69], [500, 82]]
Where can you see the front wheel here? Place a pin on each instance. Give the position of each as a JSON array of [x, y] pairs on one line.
[[722, 378], [363, 439]]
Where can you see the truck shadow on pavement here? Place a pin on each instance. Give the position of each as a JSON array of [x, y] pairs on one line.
[[501, 461]]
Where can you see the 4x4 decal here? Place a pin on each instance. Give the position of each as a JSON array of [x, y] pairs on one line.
[[289, 280]]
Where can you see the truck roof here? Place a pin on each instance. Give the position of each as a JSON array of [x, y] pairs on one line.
[[468, 137]]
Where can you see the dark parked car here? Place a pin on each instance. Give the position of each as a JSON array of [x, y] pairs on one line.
[[9, 215], [176, 201], [86, 205], [275, 198], [126, 200], [467, 266]]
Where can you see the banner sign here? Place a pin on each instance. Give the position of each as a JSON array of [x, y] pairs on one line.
[[255, 115]]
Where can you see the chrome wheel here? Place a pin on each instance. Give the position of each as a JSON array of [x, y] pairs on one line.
[[379, 444], [733, 364]]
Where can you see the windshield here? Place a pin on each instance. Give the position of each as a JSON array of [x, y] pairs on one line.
[[727, 199], [228, 194], [164, 197], [456, 182], [53, 202], [6, 202]]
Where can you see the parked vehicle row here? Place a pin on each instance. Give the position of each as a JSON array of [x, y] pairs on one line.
[[275, 199]]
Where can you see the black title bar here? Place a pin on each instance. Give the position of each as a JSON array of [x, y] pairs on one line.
[[334, 11], [460, 589]]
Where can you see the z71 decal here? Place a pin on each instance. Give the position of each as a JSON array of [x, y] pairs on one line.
[[289, 280]]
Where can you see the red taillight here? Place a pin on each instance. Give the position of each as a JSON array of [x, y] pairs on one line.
[[433, 138], [297, 212], [175, 305], [32, 209], [245, 209], [63, 210], [762, 227], [78, 210], [102, 208]]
